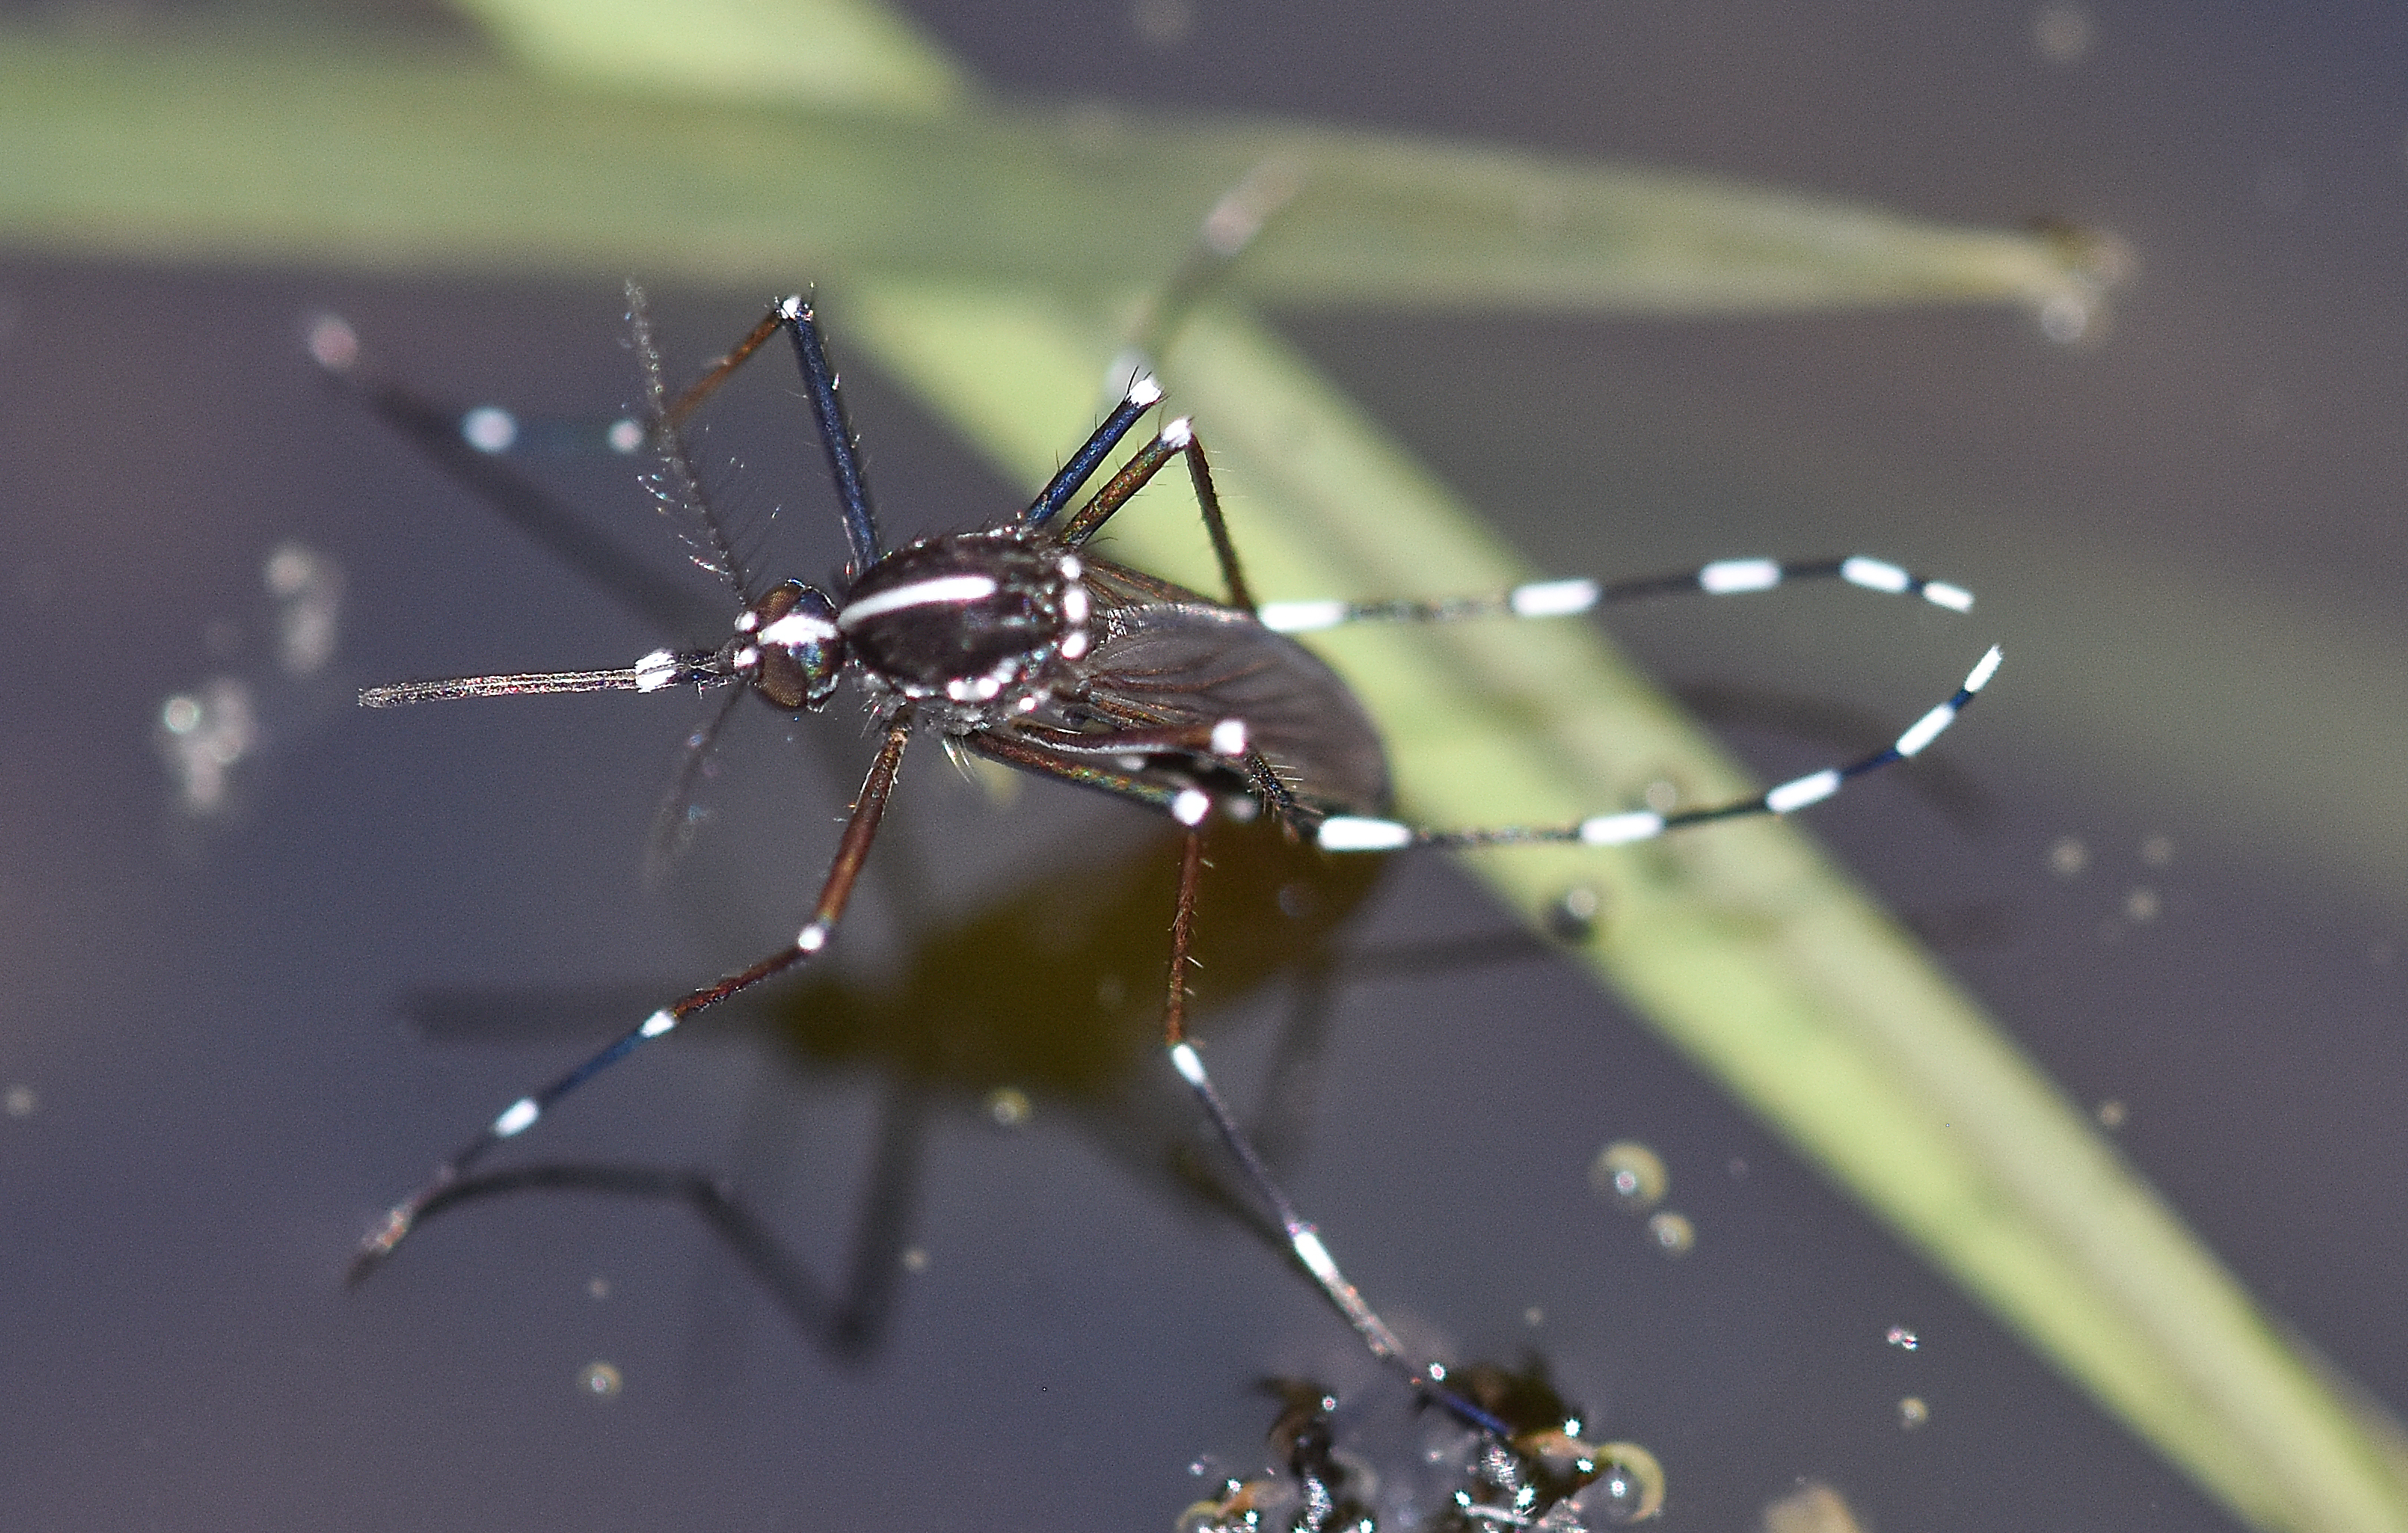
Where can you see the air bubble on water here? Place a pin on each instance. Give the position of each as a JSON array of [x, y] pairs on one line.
[[1162, 23], [2063, 33], [2065, 318], [1009, 1107], [601, 1381], [307, 587], [203, 736], [1630, 1489], [1812, 1508], [333, 344], [1630, 1174]]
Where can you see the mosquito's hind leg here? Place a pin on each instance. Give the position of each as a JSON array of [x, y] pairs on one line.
[[1572, 597], [1304, 1242], [1362, 832]]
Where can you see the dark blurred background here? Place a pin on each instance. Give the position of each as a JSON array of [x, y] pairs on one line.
[[245, 1010]]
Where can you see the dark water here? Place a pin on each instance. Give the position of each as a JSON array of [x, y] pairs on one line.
[[231, 1039]]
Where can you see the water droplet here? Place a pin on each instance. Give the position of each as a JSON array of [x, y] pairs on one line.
[[1630, 1489], [2068, 856], [2157, 849], [1631, 1174], [21, 1102], [2142, 906], [1673, 1232], [2065, 318], [333, 343], [1534, 1316], [1903, 1339], [1009, 1107], [2112, 1113], [2063, 33], [915, 1260], [1912, 1412], [601, 1381], [1663, 796], [597, 1288]]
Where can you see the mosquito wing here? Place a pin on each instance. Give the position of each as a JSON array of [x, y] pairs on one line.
[[1194, 661]]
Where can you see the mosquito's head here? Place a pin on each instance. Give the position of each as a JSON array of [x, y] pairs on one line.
[[971, 620], [791, 647]]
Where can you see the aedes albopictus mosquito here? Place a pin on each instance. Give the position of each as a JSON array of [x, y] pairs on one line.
[[1015, 643]]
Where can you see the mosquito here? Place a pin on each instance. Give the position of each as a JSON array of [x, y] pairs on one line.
[[1015, 643]]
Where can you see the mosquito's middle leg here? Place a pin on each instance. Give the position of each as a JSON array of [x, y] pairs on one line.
[[1304, 1242]]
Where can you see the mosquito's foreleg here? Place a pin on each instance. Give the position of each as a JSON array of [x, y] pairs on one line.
[[835, 890]]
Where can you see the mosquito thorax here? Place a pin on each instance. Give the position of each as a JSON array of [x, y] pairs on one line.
[[791, 647], [974, 620]]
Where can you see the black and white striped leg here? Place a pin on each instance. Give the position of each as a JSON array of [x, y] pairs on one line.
[[796, 315], [835, 891], [1176, 439], [1142, 395], [1572, 597], [1304, 1242], [835, 432], [1361, 832]]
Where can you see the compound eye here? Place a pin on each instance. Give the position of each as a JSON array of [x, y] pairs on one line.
[[802, 653]]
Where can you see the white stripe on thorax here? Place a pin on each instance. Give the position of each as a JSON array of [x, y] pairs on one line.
[[943, 591]]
